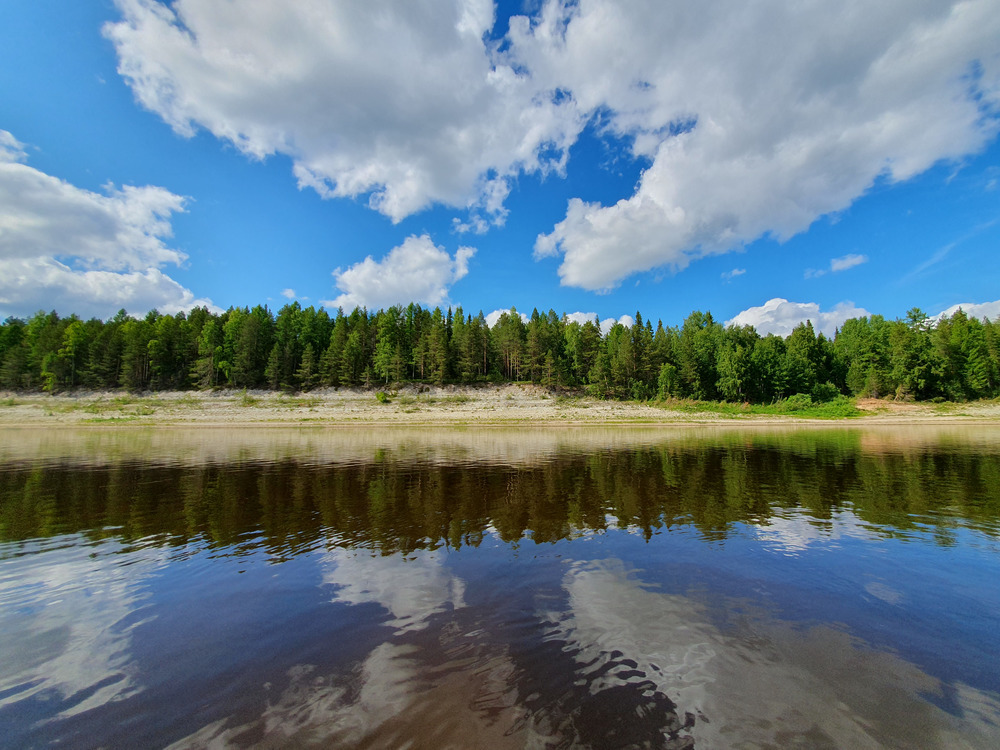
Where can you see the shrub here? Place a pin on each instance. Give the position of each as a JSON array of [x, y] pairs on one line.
[[823, 392], [798, 402]]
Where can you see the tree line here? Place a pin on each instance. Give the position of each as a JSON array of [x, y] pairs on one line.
[[300, 348]]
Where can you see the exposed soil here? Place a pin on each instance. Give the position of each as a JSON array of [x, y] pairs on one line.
[[523, 405]]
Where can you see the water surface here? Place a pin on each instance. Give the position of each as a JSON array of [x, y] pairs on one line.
[[672, 588]]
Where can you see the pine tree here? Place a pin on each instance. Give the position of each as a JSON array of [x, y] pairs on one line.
[[307, 375]]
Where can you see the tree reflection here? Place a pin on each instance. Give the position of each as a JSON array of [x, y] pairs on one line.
[[391, 504]]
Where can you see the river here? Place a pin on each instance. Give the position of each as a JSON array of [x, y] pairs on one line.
[[681, 587]]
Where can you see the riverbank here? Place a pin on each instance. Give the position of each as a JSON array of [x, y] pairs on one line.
[[522, 405]]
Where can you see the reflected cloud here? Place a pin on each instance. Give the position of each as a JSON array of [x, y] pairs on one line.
[[755, 681], [794, 532], [317, 709], [465, 698], [385, 703], [67, 619], [884, 592], [412, 589]]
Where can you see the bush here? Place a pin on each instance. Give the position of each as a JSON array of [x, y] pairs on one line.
[[382, 397], [798, 402], [823, 392]]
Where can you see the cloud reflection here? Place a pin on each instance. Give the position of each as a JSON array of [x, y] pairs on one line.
[[67, 619], [411, 589], [793, 531], [757, 681]]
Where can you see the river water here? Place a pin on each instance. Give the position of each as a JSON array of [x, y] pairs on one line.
[[546, 588]]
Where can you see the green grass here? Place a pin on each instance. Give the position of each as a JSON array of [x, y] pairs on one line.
[[460, 398], [797, 406], [246, 399]]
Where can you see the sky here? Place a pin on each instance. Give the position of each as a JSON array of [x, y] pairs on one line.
[[769, 162]]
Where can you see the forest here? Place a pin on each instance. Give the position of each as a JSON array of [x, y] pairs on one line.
[[953, 358]]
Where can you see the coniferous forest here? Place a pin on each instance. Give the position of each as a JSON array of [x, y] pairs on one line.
[[956, 358]]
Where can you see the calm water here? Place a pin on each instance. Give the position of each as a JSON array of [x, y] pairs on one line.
[[620, 588]]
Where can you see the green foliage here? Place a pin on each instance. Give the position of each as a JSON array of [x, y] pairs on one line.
[[382, 397], [823, 392], [798, 405], [796, 402], [954, 359]]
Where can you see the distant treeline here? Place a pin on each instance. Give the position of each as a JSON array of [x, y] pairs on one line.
[[954, 358]]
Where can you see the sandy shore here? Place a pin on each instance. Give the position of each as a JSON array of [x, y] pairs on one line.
[[513, 405]]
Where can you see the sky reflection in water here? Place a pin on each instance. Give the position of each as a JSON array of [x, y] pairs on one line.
[[682, 588]]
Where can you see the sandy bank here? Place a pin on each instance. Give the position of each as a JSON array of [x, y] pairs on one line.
[[511, 405]]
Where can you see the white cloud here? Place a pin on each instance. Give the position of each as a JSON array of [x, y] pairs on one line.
[[989, 310], [416, 271], [288, 293], [608, 323], [847, 261], [403, 102], [758, 119], [780, 317], [581, 317], [837, 265], [80, 251], [493, 317], [729, 275], [31, 284], [11, 150]]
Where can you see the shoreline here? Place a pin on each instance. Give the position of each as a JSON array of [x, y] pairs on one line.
[[512, 405]]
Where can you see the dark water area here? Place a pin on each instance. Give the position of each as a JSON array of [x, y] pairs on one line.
[[660, 588]]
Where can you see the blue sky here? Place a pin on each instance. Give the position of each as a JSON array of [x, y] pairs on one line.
[[768, 163]]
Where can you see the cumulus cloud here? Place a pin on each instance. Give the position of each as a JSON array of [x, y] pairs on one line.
[[493, 317], [581, 317], [758, 119], [81, 251], [288, 293], [754, 120], [780, 317], [404, 102], [31, 284], [981, 310], [608, 323], [416, 271], [837, 265]]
